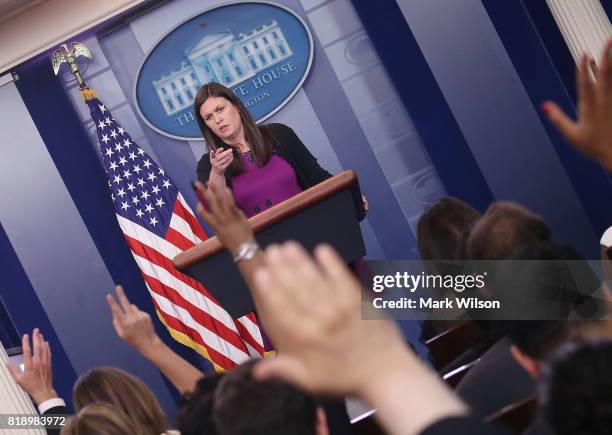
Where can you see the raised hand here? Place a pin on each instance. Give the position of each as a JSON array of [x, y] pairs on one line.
[[591, 133], [312, 312], [37, 376], [223, 215], [132, 324]]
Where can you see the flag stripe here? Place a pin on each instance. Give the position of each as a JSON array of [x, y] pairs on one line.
[[247, 321], [187, 292], [181, 225], [199, 315], [184, 211], [177, 239], [160, 293], [251, 343], [163, 261], [220, 359]]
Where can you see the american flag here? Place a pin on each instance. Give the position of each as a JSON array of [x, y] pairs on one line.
[[158, 224]]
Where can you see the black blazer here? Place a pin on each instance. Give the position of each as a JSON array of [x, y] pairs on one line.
[[286, 145], [56, 410]]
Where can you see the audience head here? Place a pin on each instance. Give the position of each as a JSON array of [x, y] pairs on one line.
[[103, 419], [442, 228], [505, 229], [124, 391], [195, 413], [237, 404], [576, 389], [533, 341], [548, 284]]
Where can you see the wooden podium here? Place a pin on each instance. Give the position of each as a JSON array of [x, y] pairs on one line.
[[326, 213]]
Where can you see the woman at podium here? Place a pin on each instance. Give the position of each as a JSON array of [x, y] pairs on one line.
[[263, 165]]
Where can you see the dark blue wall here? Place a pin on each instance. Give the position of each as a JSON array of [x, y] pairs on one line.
[[473, 76]]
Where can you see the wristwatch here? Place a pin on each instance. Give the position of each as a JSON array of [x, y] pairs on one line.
[[246, 251]]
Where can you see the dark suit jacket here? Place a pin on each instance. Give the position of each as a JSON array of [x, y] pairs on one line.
[[57, 410], [496, 381], [464, 426], [539, 427]]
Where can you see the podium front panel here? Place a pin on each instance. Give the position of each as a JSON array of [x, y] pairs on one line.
[[332, 221]]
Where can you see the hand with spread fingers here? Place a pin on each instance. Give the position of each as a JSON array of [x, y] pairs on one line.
[[311, 310], [225, 218], [36, 379], [135, 327], [591, 133]]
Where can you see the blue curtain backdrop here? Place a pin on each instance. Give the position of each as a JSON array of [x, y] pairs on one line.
[[437, 125]]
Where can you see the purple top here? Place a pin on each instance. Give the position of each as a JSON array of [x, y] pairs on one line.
[[257, 189]]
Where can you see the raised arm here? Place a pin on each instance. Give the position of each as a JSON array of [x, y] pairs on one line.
[[591, 133], [135, 327], [312, 312], [231, 227]]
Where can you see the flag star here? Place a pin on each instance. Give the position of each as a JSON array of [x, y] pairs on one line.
[[153, 221], [135, 200], [105, 139], [131, 187], [140, 151], [127, 142], [112, 197], [107, 121], [121, 193], [117, 179], [152, 176], [145, 195], [167, 184], [149, 208], [139, 212], [110, 184], [122, 160], [137, 169], [109, 152], [118, 147], [132, 156], [124, 205], [120, 130], [160, 202], [101, 125], [161, 172], [155, 189], [147, 163], [113, 134], [102, 108], [113, 165], [126, 173], [140, 182]]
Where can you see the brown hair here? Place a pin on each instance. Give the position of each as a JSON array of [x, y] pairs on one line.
[[504, 230], [103, 419], [126, 392], [261, 143], [442, 228]]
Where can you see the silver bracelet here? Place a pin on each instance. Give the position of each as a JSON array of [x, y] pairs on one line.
[[246, 251]]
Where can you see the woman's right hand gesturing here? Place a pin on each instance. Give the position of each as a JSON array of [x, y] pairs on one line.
[[220, 159]]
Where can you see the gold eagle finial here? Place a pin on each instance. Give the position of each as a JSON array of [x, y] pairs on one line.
[[69, 55]]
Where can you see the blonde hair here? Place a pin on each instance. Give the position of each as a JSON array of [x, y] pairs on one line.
[[102, 419], [124, 391]]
